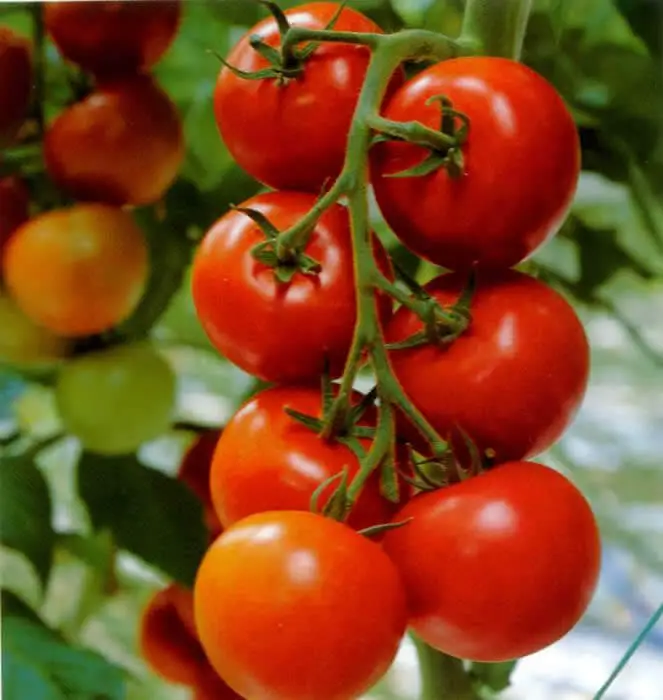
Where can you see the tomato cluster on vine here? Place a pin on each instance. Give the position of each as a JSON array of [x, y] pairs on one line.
[[445, 526]]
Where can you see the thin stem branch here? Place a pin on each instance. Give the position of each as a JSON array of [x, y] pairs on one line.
[[298, 35]]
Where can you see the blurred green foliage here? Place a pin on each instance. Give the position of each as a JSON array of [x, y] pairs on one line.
[[604, 56]]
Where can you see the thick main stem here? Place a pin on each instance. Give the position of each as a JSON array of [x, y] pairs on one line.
[[442, 677], [496, 27]]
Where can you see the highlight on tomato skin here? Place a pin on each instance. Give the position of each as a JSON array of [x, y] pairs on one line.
[[122, 144], [16, 82], [71, 294], [110, 37], [286, 136], [167, 642], [276, 585], [511, 562], [513, 381], [266, 461]]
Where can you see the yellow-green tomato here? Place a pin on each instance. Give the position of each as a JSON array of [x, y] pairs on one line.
[[116, 399]]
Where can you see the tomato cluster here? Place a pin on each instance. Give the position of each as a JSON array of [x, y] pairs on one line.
[[72, 273], [499, 558]]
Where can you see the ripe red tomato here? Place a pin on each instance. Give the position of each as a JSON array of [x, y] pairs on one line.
[[265, 460], [498, 566], [277, 585], [167, 639], [293, 135], [15, 83], [119, 38], [522, 160], [123, 144], [14, 206], [194, 471], [278, 332], [77, 271], [514, 380]]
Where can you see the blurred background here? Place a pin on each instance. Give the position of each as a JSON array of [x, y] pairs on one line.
[[604, 56]]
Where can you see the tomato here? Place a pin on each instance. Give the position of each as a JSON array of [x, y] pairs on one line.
[[123, 144], [14, 206], [277, 586], [210, 686], [78, 270], [119, 38], [166, 642], [278, 332], [194, 471], [116, 399], [522, 161], [293, 135], [23, 343], [265, 460], [514, 380], [500, 565], [15, 83]]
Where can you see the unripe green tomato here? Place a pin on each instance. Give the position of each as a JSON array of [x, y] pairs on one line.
[[24, 344], [116, 399]]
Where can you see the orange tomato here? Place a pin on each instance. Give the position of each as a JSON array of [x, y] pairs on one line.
[[123, 144], [77, 271]]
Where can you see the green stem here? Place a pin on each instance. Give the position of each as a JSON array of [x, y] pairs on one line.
[[496, 27], [297, 35], [442, 677], [296, 237]]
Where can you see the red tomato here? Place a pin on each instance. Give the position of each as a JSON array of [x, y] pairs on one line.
[[210, 686], [514, 380], [498, 566], [293, 135], [265, 460], [292, 606], [278, 332], [14, 206], [119, 38], [15, 83], [166, 639], [123, 144], [77, 271], [195, 473], [522, 160]]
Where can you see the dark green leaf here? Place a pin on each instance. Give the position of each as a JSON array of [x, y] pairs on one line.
[[25, 513], [153, 516], [646, 20], [37, 664]]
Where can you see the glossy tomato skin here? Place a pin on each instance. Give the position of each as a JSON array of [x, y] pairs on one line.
[[113, 38], [195, 470], [167, 640], [15, 83], [514, 380], [278, 332], [123, 144], [276, 585], [522, 161], [498, 566], [266, 460], [293, 136], [78, 270], [14, 206]]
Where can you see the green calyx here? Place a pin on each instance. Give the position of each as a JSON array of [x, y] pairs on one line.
[[444, 145], [285, 261], [284, 64]]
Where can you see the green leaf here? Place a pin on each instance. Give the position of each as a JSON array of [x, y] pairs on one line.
[[150, 514], [494, 676], [646, 20], [25, 513], [37, 664]]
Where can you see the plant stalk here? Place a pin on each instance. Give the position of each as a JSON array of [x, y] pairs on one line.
[[442, 677], [496, 27]]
